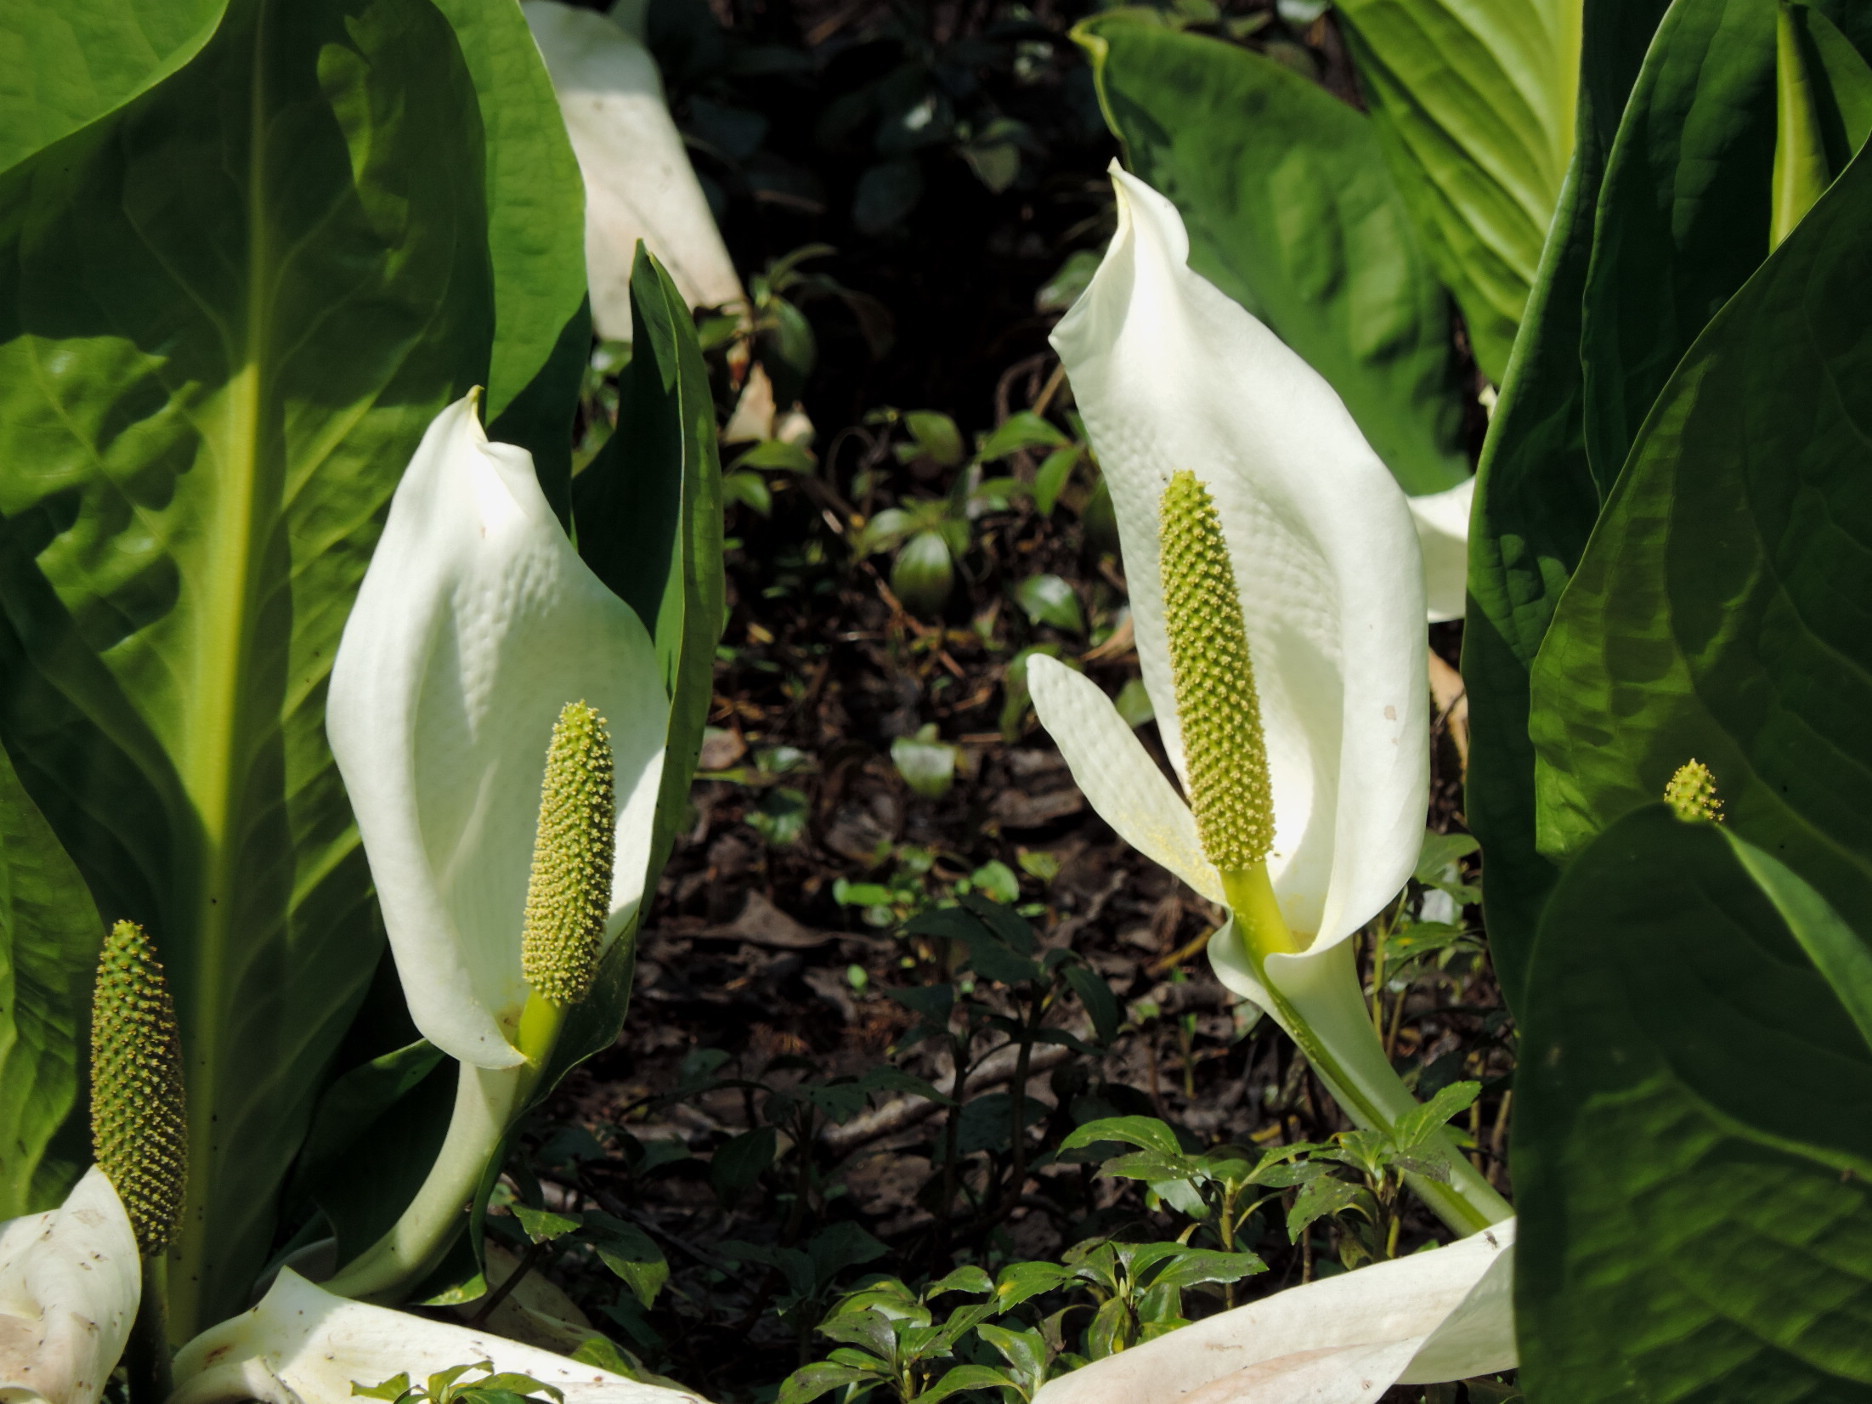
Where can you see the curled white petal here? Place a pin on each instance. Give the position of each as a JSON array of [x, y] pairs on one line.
[[1443, 534], [302, 1345], [475, 624], [638, 180], [70, 1282], [1172, 374], [1116, 773], [1440, 1315]]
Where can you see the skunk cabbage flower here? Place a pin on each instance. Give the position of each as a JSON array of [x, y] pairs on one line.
[[70, 1283], [1277, 597], [1443, 533], [475, 625], [302, 1345], [638, 180], [1434, 1316], [1173, 376]]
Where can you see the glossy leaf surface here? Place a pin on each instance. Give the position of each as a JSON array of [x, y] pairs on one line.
[[232, 308], [49, 939], [1720, 609], [1476, 106], [1696, 1213], [64, 65], [1292, 212], [1535, 505]]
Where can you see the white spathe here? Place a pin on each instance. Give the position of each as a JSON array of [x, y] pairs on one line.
[[70, 1282], [1443, 534], [303, 1345], [475, 624], [1445, 1314], [1171, 374], [638, 180]]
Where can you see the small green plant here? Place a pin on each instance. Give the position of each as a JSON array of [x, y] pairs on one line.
[[449, 1387]]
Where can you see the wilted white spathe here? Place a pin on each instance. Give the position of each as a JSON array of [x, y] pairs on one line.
[[1445, 1314], [70, 1282], [638, 180], [302, 1345], [475, 624]]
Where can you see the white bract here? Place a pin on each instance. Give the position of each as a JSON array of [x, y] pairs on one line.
[[1440, 1315], [475, 624], [1443, 533], [302, 1345], [638, 180], [1170, 375], [70, 1282]]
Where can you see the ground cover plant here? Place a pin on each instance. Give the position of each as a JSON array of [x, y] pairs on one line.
[[768, 702]]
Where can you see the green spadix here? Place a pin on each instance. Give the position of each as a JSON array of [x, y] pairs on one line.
[[569, 890]]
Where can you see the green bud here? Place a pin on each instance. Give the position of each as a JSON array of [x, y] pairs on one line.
[[923, 574], [139, 1116], [1220, 712], [569, 892], [1692, 793]]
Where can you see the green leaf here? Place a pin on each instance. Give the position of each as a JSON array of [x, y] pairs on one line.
[[1727, 579], [49, 939], [1048, 599], [807, 1384], [393, 1388], [1422, 1123], [1535, 504], [648, 511], [1292, 212], [963, 1377], [1696, 1214], [542, 1225], [630, 1253], [926, 765], [1823, 108], [1144, 1132], [1475, 105], [1196, 1266], [228, 320], [1101, 1005], [536, 239], [740, 1161], [66, 65], [1321, 1198], [1021, 430], [1684, 214]]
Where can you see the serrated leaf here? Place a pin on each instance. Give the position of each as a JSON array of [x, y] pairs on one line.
[[1145, 1132], [1320, 1198]]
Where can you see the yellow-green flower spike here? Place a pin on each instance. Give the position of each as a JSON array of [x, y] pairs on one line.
[[569, 893], [139, 1119], [1692, 793], [1220, 712]]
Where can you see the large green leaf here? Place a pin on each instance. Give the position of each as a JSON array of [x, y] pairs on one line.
[[63, 65], [648, 512], [1292, 212], [231, 309], [1475, 103], [1692, 1162], [1684, 214], [49, 939], [536, 235], [1720, 610], [1535, 505]]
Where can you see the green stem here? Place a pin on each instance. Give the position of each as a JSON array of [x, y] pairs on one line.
[[1319, 1002], [147, 1357], [487, 1103]]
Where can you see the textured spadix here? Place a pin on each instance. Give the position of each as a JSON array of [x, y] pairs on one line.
[[475, 624], [569, 890], [1692, 792], [139, 1113], [70, 1282], [1446, 1314], [302, 1345], [1171, 374]]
